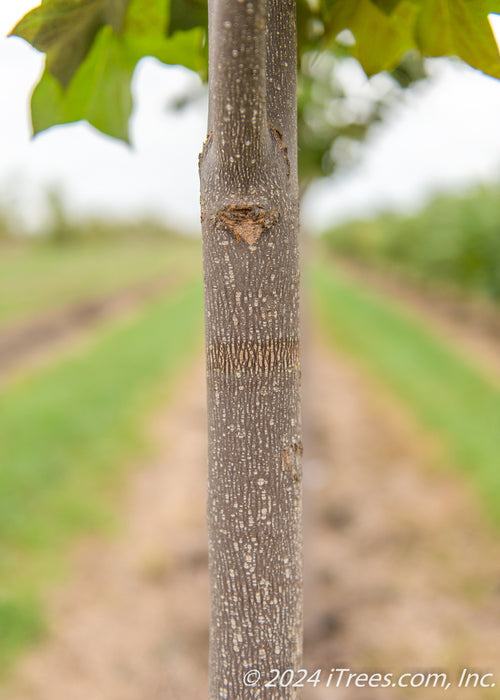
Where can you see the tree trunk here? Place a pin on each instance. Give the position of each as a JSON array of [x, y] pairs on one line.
[[249, 197]]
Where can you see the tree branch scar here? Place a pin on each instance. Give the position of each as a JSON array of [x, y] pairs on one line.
[[246, 222], [278, 137], [290, 460]]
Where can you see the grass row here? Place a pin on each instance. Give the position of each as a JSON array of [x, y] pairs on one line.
[[37, 278], [447, 394], [66, 436]]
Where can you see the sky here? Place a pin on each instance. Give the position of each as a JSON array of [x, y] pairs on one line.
[[444, 135]]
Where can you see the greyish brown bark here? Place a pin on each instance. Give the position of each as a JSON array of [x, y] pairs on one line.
[[249, 200]]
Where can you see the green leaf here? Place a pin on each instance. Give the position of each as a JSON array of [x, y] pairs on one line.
[[65, 30], [104, 44], [146, 18], [47, 104], [386, 6], [99, 91], [460, 28], [187, 14], [381, 38], [145, 32], [385, 29]]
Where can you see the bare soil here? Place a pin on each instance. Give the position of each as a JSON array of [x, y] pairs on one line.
[[402, 571], [33, 340], [472, 324]]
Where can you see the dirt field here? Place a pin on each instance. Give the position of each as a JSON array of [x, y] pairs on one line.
[[402, 573], [470, 324], [31, 342]]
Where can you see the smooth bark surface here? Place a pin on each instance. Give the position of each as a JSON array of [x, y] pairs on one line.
[[251, 272]]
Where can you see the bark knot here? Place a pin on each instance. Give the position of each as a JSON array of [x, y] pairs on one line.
[[291, 459], [247, 222], [278, 136]]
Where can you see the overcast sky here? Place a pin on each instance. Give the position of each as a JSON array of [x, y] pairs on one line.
[[443, 136]]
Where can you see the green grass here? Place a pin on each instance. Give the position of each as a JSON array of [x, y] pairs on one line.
[[447, 394], [66, 436], [38, 278]]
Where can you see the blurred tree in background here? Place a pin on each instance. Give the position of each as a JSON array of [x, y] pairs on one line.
[[453, 241]]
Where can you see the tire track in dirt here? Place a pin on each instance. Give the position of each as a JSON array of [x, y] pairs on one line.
[[471, 325], [131, 622], [401, 570], [32, 340]]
